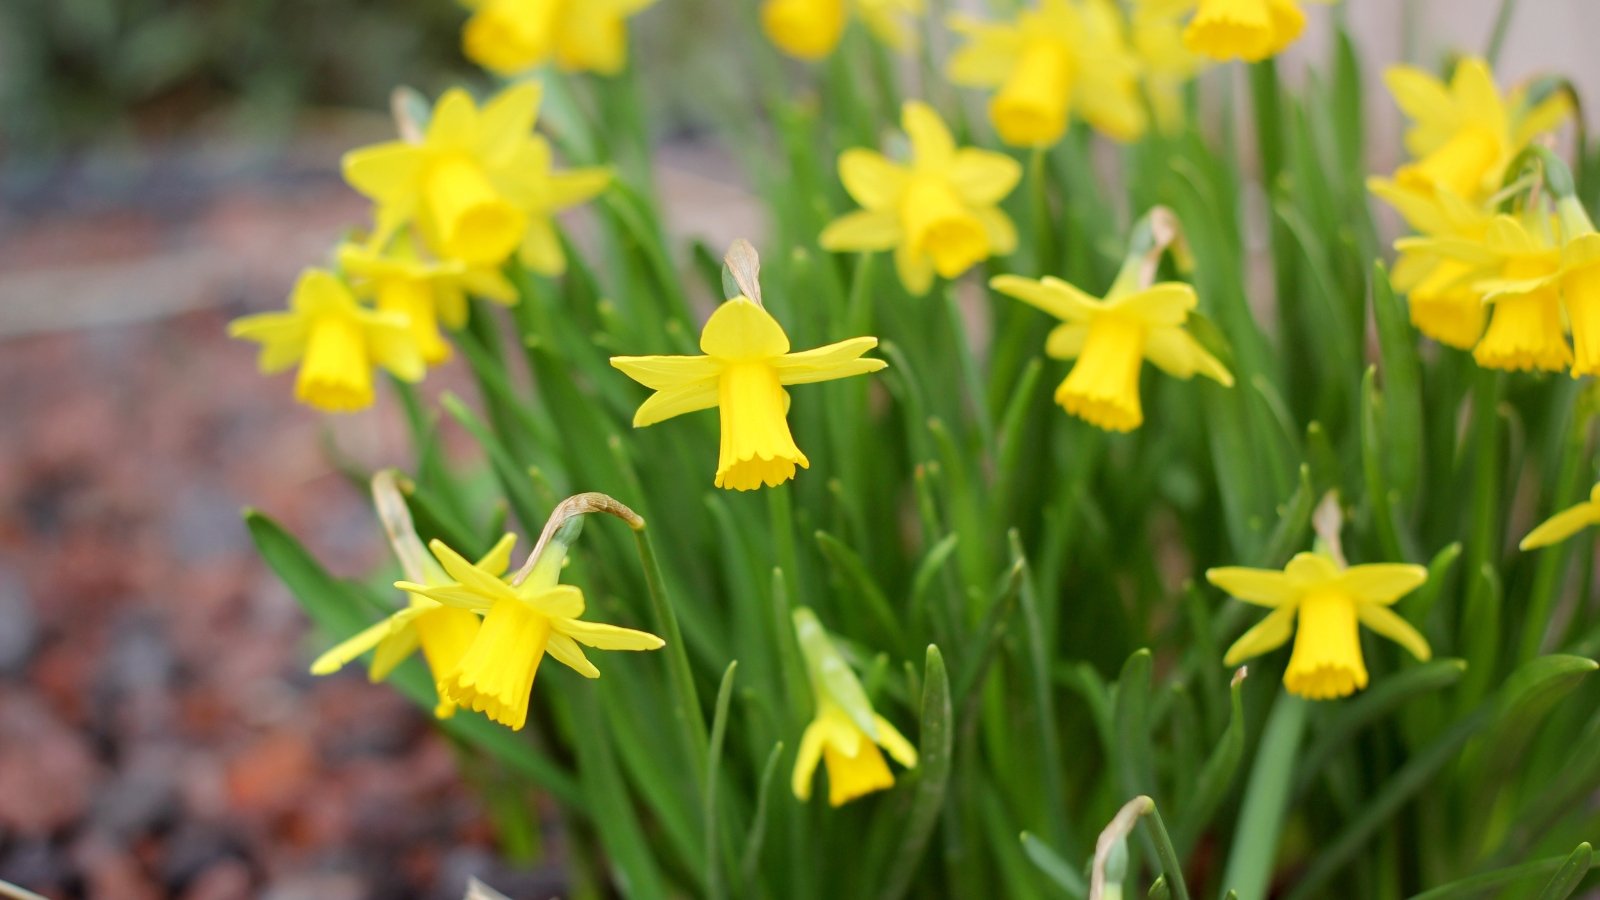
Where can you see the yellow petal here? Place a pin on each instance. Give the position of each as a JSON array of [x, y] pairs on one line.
[[455, 121], [931, 143], [990, 55], [1177, 353], [871, 179], [862, 231], [740, 330], [1418, 94], [839, 360], [574, 186], [1381, 583], [507, 121], [1386, 622], [806, 760], [1268, 635], [541, 248], [1263, 587], [564, 601], [348, 649], [998, 228], [914, 268], [890, 739], [1165, 304], [387, 173], [282, 337], [1561, 526], [609, 637], [471, 577], [983, 177], [498, 559], [1052, 295], [567, 652], [1066, 341], [394, 650], [663, 372], [453, 595], [1311, 570], [675, 401]]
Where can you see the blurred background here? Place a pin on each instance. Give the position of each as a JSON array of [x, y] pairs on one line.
[[166, 166]]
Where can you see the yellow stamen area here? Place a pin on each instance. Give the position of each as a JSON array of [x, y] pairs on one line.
[[1103, 386], [1030, 109], [1461, 165], [850, 777], [1326, 662], [1581, 288], [1446, 312], [941, 227], [757, 447], [508, 36], [1525, 333], [496, 673], [335, 374], [807, 29], [446, 634], [473, 222], [413, 298]]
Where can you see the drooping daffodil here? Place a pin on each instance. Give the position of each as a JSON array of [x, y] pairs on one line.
[[1526, 328], [478, 185], [1249, 30], [1110, 339], [1330, 603], [1437, 279], [845, 734], [508, 37], [939, 211], [1566, 523], [443, 632], [811, 29], [336, 342], [746, 366]]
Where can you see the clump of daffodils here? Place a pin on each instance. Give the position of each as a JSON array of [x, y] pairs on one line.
[[938, 211], [1506, 286]]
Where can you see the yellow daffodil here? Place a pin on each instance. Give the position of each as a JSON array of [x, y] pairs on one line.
[[1050, 60], [1166, 63], [1331, 603], [1464, 134], [1444, 302], [845, 735], [521, 623], [425, 292], [744, 372], [479, 185], [1111, 338], [1251, 30], [1525, 327], [1580, 294], [1566, 523], [335, 340], [443, 632], [511, 36], [939, 212], [810, 29]]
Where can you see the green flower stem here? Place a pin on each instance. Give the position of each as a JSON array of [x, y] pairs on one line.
[[1266, 800], [686, 710]]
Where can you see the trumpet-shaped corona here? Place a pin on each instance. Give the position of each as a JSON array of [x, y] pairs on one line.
[[1250, 30], [939, 212], [335, 341], [1110, 339], [1525, 331], [508, 37], [811, 29], [1580, 294], [1331, 603], [746, 366]]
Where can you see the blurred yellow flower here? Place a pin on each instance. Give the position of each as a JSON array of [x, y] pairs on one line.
[[511, 36], [479, 185], [743, 374], [845, 734], [1566, 523], [443, 632], [522, 622], [425, 292], [939, 212], [810, 29], [1166, 63], [1110, 339], [1444, 302], [1251, 30], [1464, 134], [335, 340], [1331, 603], [1063, 55], [1580, 294], [1526, 330]]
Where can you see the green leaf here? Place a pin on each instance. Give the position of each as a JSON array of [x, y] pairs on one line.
[[1567, 878], [719, 730], [1053, 866], [933, 774], [1484, 883]]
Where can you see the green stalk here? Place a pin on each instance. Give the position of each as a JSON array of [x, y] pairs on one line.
[[1502, 28], [1266, 801], [686, 709]]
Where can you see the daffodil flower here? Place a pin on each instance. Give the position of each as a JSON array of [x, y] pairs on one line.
[[1464, 134], [1565, 524], [1526, 330], [426, 292], [522, 621], [1166, 63], [744, 372], [1110, 339], [1050, 60], [1331, 604], [845, 735], [443, 632], [1250, 30], [1444, 301], [479, 185], [508, 37], [939, 212], [1580, 294], [335, 340], [811, 29]]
